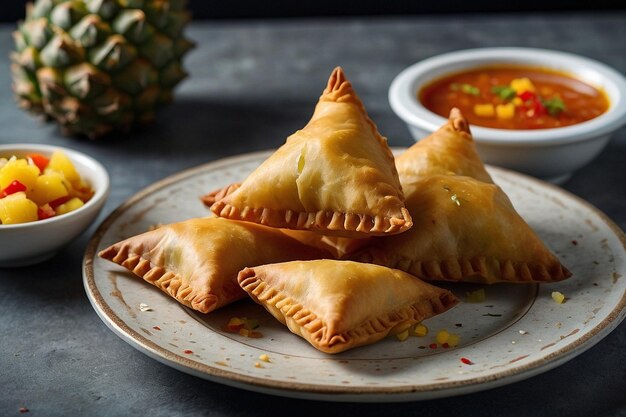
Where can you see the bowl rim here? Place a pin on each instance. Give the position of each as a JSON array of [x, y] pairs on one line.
[[403, 93], [92, 164]]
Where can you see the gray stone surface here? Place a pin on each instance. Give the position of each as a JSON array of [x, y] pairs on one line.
[[252, 83]]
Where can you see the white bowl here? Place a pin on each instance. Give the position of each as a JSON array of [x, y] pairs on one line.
[[551, 154], [28, 243]]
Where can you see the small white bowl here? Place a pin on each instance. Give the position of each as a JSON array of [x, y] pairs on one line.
[[550, 154], [29, 243]]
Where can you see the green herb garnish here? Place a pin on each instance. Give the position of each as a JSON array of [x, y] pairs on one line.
[[455, 199], [505, 92], [470, 89], [466, 88], [554, 105]]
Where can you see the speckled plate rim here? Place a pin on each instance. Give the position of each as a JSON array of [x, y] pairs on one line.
[[334, 393]]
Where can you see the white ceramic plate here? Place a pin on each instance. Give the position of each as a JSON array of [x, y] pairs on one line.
[[518, 332]]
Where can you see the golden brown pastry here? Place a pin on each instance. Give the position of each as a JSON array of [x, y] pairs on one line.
[[338, 305], [465, 227], [337, 246], [335, 176], [197, 261], [465, 230], [450, 150]]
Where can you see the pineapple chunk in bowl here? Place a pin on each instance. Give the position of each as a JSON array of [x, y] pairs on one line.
[[31, 240]]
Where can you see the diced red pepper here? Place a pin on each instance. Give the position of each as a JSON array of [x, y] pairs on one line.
[[45, 212], [14, 187], [527, 95], [56, 203], [235, 324], [539, 109], [234, 328], [39, 160]]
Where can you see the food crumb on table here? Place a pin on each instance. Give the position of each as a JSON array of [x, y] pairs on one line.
[[558, 297], [144, 307]]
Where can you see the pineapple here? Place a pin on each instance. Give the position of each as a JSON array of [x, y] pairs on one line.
[[16, 208], [97, 66], [49, 187]]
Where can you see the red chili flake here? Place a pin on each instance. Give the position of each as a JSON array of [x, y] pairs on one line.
[[574, 242], [156, 327], [467, 361], [445, 345], [187, 351], [23, 410], [433, 346]]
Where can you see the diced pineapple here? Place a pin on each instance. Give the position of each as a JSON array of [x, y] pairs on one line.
[[402, 336], [558, 297], [477, 296], [20, 170], [61, 163], [484, 110], [70, 205], [442, 336], [522, 84], [453, 340], [420, 330], [48, 187], [447, 339], [16, 208], [505, 111], [81, 190]]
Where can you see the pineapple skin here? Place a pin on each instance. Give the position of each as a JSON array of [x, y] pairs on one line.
[[99, 66]]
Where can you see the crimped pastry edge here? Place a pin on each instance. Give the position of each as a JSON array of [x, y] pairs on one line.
[[167, 281], [331, 223], [459, 270], [308, 325]]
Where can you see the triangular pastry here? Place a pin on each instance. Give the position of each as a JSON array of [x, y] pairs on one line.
[[465, 230], [335, 176], [196, 261], [336, 246], [450, 150], [465, 227], [338, 305]]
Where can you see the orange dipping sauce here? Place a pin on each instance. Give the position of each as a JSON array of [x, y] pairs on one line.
[[511, 97]]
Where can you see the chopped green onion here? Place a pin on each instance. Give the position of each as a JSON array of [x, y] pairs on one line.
[[505, 92], [554, 105], [470, 89], [466, 88]]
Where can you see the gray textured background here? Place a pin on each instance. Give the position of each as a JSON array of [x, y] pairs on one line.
[[253, 83]]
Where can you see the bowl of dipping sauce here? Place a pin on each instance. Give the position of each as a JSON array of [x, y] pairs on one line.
[[48, 196], [541, 112]]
